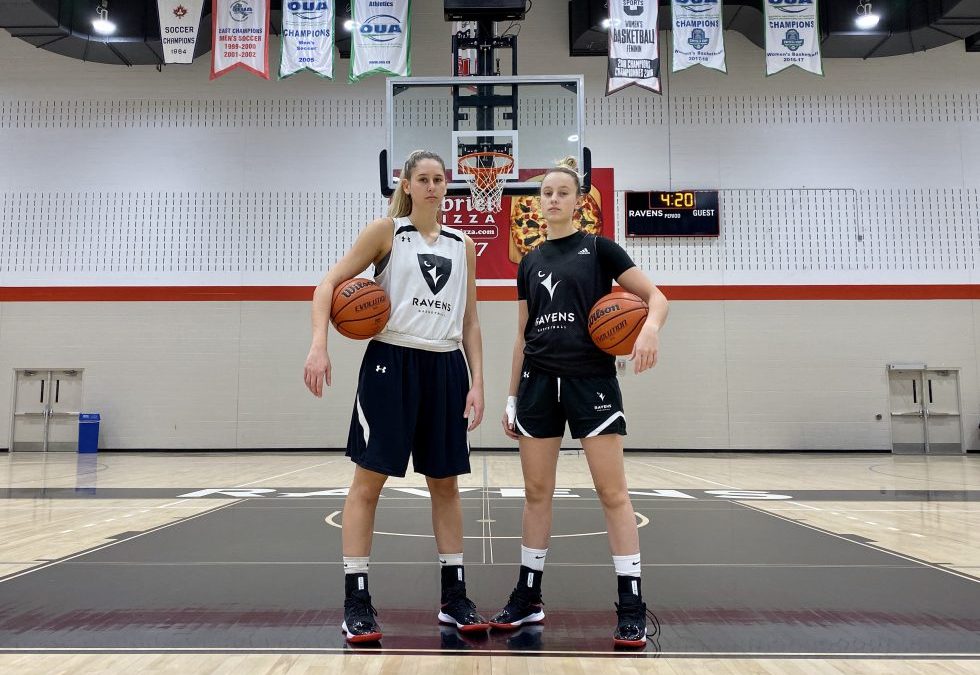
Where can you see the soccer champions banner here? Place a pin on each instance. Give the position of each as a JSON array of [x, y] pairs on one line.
[[306, 42], [698, 38], [241, 36], [792, 36], [380, 38], [179, 20], [634, 48]]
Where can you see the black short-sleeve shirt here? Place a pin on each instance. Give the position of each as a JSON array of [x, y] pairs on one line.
[[560, 280]]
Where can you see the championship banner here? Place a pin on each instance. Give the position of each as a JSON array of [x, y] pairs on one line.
[[634, 47], [698, 35], [179, 20], [792, 36], [505, 236], [306, 42], [380, 38], [240, 36]]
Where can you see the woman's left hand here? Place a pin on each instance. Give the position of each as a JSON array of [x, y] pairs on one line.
[[474, 407], [644, 355]]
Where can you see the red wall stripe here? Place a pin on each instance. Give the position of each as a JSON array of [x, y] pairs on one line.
[[491, 293]]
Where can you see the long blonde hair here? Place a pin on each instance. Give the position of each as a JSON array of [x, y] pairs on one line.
[[567, 166], [401, 201]]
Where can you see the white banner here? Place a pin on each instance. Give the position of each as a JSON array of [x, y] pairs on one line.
[[634, 47], [306, 42], [179, 20], [380, 38], [792, 36], [698, 35], [240, 36]]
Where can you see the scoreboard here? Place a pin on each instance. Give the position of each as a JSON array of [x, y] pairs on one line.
[[683, 213]]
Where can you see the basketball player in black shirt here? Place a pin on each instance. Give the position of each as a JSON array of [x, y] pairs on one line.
[[558, 375]]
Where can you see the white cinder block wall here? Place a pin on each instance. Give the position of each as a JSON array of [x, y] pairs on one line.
[[129, 177]]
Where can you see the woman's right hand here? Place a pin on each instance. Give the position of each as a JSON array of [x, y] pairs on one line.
[[317, 367], [510, 417]]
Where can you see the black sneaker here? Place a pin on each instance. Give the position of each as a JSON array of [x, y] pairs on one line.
[[520, 609], [461, 611], [359, 624], [631, 624]]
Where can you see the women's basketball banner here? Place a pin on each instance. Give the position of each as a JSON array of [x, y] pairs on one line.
[[634, 48], [698, 37], [240, 36], [179, 20], [380, 38], [306, 42], [504, 236], [792, 36]]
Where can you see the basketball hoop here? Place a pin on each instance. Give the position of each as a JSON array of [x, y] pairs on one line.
[[483, 172]]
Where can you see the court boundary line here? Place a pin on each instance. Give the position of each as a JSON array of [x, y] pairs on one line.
[[880, 549], [153, 530]]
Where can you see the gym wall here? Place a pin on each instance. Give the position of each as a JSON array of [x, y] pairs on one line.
[[122, 178]]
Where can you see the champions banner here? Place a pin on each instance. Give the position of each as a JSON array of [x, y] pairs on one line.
[[792, 36], [241, 36], [380, 38], [179, 20], [306, 42], [698, 36], [634, 48]]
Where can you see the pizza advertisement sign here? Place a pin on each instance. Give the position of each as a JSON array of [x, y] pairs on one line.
[[503, 237]]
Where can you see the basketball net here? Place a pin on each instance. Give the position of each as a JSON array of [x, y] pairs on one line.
[[483, 172]]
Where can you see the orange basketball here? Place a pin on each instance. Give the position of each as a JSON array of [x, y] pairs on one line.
[[360, 308], [615, 321]]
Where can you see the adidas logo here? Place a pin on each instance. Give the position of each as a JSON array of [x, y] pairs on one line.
[[584, 251]]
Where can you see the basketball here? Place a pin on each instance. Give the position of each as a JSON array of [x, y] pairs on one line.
[[360, 308], [615, 321]]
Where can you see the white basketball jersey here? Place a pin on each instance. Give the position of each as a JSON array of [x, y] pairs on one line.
[[427, 287]]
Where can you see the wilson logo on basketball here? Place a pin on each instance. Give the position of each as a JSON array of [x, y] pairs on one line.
[[602, 311], [353, 287]]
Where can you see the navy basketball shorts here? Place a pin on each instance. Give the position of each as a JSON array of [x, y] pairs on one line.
[[410, 403], [592, 406]]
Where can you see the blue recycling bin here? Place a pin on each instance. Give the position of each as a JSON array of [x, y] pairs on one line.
[[88, 432]]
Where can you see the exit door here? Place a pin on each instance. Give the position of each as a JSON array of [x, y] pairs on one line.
[[45, 410]]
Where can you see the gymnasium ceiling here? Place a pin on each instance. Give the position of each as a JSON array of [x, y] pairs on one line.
[[64, 27]]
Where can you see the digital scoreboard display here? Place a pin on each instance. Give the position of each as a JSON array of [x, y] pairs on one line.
[[687, 213]]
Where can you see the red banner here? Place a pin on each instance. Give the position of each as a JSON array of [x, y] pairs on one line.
[[240, 36], [503, 237]]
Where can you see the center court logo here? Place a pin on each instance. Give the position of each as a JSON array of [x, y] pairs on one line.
[[240, 10], [436, 271], [381, 28]]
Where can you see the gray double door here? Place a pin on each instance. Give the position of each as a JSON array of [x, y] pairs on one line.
[[45, 410], [925, 411]]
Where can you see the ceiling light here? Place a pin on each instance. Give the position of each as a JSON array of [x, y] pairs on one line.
[[866, 17], [104, 26]]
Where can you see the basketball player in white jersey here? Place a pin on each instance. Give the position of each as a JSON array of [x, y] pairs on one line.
[[559, 376], [414, 395]]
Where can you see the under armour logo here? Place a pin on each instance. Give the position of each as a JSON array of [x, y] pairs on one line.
[[381, 369], [404, 238], [602, 397], [584, 251], [526, 375], [548, 284], [435, 270]]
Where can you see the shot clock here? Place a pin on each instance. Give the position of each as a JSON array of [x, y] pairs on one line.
[[681, 213]]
